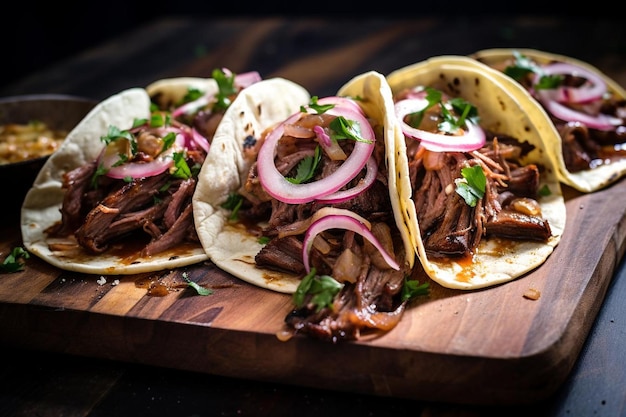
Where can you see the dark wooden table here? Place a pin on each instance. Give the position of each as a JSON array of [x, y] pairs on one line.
[[321, 54]]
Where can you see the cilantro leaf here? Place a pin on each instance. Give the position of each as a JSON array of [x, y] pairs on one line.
[[182, 170], [323, 289], [412, 289], [342, 128], [472, 186], [233, 203], [319, 108], [306, 168], [199, 289], [14, 262], [226, 89]]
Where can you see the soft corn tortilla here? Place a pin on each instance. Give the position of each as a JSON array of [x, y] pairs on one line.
[[229, 246], [584, 181], [500, 111]]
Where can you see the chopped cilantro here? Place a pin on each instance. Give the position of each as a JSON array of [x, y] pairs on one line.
[[181, 170], [199, 289], [14, 262], [412, 289], [323, 288], [472, 186], [342, 128], [319, 108], [226, 89], [306, 168], [233, 203], [523, 66], [451, 123]]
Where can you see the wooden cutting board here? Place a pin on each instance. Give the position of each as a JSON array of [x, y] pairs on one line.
[[490, 346]]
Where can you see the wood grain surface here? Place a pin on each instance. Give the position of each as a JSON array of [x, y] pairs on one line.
[[491, 347]]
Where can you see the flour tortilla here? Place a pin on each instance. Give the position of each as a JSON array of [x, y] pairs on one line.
[[502, 112], [41, 206], [229, 246], [584, 181]]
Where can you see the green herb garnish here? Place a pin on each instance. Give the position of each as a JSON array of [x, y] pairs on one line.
[[306, 168], [181, 170], [412, 289], [472, 186], [226, 89], [523, 66], [319, 108], [342, 128], [451, 123], [233, 203], [199, 289], [14, 262], [323, 289]]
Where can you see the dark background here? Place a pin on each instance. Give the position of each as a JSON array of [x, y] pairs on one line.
[[39, 34]]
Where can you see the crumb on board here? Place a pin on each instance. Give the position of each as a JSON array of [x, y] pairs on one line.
[[102, 280], [532, 294]]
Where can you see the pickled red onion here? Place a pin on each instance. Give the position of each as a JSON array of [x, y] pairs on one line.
[[473, 138], [593, 90], [600, 121], [342, 221], [140, 169], [364, 184], [341, 101], [281, 189]]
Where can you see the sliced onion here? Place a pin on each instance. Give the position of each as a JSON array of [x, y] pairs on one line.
[[473, 138], [332, 148], [246, 79], [342, 221], [200, 140], [364, 184], [140, 169], [600, 121], [593, 90], [341, 101], [300, 227], [278, 187], [192, 106], [242, 81]]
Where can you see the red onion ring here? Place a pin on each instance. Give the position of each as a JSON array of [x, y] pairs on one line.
[[140, 169], [600, 121], [364, 184], [347, 221], [567, 94], [278, 187], [471, 139], [200, 140], [341, 101]]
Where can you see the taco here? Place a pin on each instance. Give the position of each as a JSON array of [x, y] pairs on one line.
[[480, 196], [309, 208], [587, 109], [115, 198]]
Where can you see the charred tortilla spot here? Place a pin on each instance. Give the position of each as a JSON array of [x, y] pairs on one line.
[[249, 142]]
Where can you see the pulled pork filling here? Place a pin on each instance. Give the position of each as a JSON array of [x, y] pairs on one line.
[[156, 210], [450, 227], [371, 294], [583, 146]]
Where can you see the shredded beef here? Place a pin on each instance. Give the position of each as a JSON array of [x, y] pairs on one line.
[[450, 227]]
